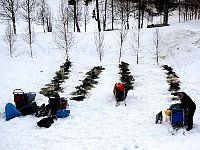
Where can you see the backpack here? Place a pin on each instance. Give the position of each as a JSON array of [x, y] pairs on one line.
[[119, 91], [56, 103], [63, 103]]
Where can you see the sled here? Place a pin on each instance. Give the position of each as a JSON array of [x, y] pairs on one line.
[[177, 120]]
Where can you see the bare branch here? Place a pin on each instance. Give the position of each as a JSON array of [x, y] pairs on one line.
[[9, 11], [157, 42], [135, 43], [122, 33], [63, 39], [10, 39], [99, 42]]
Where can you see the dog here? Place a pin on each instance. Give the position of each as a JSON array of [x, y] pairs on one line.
[[45, 122]]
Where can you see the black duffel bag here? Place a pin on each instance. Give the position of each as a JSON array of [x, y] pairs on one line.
[[29, 109]]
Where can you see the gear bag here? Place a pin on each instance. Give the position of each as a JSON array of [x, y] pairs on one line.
[[22, 99]]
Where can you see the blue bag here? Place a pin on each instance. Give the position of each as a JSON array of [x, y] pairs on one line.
[[62, 113], [177, 117]]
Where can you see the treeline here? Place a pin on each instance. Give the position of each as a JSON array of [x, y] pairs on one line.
[[108, 13], [74, 14]]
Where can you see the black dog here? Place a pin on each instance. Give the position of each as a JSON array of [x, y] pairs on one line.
[[45, 122]]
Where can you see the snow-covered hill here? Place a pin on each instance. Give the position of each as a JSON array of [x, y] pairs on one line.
[[95, 123]]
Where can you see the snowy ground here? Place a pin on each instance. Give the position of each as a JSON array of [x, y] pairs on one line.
[[95, 123]]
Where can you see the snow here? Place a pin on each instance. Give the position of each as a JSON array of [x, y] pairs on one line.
[[95, 123]]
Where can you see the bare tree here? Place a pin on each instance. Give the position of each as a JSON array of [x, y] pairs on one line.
[[157, 43], [49, 22], [123, 11], [98, 16], [166, 12], [28, 10], [78, 15], [63, 39], [44, 15], [10, 39], [75, 12], [135, 43], [112, 13], [122, 33], [9, 11], [105, 15], [99, 42], [29, 37], [127, 11], [86, 16]]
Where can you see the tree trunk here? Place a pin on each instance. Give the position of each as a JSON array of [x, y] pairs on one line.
[[112, 6], [30, 36], [143, 9], [139, 14], [13, 19], [122, 13], [138, 46], [179, 12], [14, 25], [85, 23], [128, 13], [98, 19], [29, 28], [186, 11], [75, 16], [166, 11], [105, 16], [77, 25]]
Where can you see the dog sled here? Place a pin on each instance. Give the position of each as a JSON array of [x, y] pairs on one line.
[[175, 115], [178, 120]]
